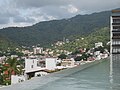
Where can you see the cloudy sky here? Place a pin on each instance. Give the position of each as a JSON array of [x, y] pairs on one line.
[[28, 12]]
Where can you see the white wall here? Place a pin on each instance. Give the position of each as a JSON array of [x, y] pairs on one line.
[[17, 79], [51, 63], [41, 73], [98, 44], [37, 50], [31, 65]]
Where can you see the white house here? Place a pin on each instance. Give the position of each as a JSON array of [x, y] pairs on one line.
[[98, 44], [97, 53], [2, 59], [68, 63], [37, 50], [33, 64]]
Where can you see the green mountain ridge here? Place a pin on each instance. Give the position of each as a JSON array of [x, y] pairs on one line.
[[47, 32], [6, 44]]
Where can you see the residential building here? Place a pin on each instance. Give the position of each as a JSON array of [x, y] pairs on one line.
[[37, 50], [36, 66], [115, 32], [51, 63], [2, 59], [33, 63], [115, 46], [68, 63], [98, 44]]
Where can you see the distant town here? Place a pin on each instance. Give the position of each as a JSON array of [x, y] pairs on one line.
[[23, 64]]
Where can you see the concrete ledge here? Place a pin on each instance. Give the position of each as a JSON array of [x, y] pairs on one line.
[[40, 81]]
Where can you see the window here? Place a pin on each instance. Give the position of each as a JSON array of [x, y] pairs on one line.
[[31, 66]]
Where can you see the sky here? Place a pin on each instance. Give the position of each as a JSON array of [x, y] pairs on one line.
[[28, 12]]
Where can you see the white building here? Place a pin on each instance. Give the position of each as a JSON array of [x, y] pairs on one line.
[[115, 32], [14, 56], [37, 50], [40, 73], [33, 64], [68, 63], [17, 79], [97, 53], [98, 44], [2, 59], [51, 63]]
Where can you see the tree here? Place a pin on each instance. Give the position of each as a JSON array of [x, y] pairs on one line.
[[85, 56], [101, 49], [62, 56], [11, 68], [78, 58], [1, 74]]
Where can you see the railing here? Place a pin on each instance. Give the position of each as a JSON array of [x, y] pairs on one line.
[[116, 30], [116, 23]]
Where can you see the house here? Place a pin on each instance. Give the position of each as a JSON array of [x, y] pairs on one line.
[[2, 59], [37, 50], [98, 44], [34, 65], [68, 63], [51, 63]]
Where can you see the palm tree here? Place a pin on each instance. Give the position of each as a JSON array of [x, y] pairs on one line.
[[12, 67], [1, 74]]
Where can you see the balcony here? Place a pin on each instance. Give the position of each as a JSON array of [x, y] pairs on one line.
[[116, 30], [116, 37], [115, 52], [116, 45], [116, 23]]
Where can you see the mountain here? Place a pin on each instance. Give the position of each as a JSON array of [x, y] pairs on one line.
[[87, 41], [6, 43], [47, 32]]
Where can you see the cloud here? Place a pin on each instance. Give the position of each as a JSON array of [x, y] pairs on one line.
[[70, 8], [39, 3], [4, 20], [28, 12]]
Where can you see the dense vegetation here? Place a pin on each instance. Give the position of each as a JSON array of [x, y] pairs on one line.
[[10, 67], [47, 32], [6, 44]]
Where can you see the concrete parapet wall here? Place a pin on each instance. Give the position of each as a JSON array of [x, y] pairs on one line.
[[37, 82]]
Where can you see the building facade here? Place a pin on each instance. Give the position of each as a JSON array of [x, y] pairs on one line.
[[115, 47], [115, 32]]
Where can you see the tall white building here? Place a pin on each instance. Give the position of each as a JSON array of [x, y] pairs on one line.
[[115, 47], [115, 32]]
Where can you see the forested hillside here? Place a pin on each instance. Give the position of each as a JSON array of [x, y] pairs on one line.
[[88, 41], [6, 44], [47, 32]]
